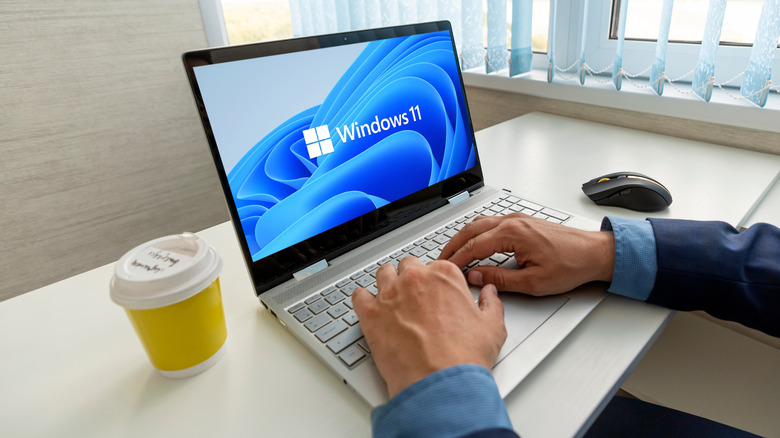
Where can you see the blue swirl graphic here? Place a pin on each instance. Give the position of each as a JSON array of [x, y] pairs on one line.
[[397, 123]]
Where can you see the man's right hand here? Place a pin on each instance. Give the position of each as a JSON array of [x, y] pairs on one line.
[[552, 258]]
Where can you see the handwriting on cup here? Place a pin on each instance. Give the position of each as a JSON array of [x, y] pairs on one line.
[[155, 261]]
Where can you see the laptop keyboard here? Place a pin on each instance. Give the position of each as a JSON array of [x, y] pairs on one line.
[[328, 313]]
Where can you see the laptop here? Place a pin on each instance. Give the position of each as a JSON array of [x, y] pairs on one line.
[[339, 153]]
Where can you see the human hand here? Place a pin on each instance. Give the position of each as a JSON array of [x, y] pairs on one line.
[[551, 258], [424, 319]]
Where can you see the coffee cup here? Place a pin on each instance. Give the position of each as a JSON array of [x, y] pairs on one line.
[[169, 288]]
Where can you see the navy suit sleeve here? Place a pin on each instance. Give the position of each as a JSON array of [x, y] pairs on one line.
[[710, 266]]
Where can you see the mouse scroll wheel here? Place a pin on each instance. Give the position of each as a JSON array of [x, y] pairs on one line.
[[602, 180]]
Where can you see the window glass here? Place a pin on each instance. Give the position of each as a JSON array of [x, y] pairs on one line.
[[688, 20], [248, 21]]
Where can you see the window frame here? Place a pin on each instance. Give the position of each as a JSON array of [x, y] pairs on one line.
[[213, 23]]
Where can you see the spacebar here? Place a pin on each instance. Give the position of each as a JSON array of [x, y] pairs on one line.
[[345, 339]]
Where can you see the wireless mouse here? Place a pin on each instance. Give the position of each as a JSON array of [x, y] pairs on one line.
[[630, 190]]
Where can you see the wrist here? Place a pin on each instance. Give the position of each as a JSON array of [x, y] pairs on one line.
[[604, 252]]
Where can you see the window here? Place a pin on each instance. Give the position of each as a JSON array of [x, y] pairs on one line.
[[682, 57], [688, 20], [248, 21], [539, 26]]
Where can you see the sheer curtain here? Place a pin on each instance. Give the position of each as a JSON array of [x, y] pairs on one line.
[[311, 17]]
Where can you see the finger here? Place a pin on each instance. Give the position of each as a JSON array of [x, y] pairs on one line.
[[363, 302], [385, 274], [504, 279], [408, 262], [490, 304], [493, 310], [482, 246], [479, 225], [524, 280]]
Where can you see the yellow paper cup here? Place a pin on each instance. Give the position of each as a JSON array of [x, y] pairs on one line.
[[169, 288]]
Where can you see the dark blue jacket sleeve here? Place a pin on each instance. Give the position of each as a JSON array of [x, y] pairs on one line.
[[710, 266]]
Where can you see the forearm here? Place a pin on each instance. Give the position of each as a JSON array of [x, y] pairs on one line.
[[452, 402], [710, 266]]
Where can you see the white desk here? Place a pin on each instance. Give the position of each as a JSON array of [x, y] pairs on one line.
[[769, 209], [70, 364]]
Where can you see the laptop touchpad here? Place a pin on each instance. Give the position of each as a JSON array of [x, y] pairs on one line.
[[523, 314]]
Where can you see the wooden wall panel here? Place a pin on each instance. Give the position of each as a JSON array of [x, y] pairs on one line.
[[102, 148]]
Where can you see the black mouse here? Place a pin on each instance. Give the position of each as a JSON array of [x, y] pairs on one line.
[[628, 190]]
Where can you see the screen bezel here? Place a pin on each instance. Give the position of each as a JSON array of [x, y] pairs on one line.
[[269, 272]]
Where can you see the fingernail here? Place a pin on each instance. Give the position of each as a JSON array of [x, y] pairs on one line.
[[493, 289], [475, 278]]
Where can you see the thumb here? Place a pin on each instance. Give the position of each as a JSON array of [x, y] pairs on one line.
[[509, 280], [493, 311], [490, 304]]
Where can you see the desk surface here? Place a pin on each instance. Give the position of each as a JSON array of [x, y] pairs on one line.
[[769, 209], [72, 365]]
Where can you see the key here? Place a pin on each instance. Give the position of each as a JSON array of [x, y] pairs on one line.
[[328, 291], [351, 318], [365, 281], [318, 306], [429, 245], [303, 315], [499, 258], [531, 205], [345, 339], [329, 331], [352, 355], [441, 239], [555, 213], [334, 298], [317, 322], [347, 290], [417, 252], [296, 307], [338, 310]]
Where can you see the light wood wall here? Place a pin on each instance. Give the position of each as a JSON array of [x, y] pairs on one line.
[[102, 148]]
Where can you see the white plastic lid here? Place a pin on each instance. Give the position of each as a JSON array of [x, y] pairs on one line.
[[164, 271]]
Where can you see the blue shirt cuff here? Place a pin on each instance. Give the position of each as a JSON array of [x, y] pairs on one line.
[[455, 401], [635, 260]]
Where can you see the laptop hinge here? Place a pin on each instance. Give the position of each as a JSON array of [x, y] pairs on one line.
[[459, 198], [310, 270]]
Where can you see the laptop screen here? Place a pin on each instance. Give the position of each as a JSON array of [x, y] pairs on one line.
[[332, 131]]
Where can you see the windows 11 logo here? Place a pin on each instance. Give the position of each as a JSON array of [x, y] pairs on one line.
[[318, 141]]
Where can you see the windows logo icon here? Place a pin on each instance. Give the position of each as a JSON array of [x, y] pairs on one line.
[[318, 141]]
